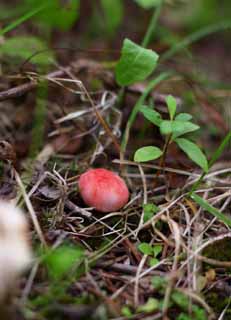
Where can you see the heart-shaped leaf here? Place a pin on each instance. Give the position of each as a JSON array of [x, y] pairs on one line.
[[136, 63]]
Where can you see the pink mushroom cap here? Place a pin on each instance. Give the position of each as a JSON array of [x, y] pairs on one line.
[[103, 189]]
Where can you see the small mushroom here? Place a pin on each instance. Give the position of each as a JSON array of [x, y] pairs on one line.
[[103, 189]]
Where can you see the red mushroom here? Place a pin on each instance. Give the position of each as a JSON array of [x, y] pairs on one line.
[[103, 189]]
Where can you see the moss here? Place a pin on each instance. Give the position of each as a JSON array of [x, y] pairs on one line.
[[220, 250], [218, 302]]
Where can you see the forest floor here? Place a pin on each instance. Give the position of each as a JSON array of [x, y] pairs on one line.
[[164, 255]]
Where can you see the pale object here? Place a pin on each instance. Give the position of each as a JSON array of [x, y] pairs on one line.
[[15, 251]]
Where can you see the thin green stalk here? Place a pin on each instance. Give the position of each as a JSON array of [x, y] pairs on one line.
[[39, 119], [145, 42], [152, 84], [152, 25], [220, 149], [22, 19], [194, 37], [214, 158]]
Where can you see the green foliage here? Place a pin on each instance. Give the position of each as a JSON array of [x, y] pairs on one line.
[[39, 123], [57, 14], [145, 248], [220, 149], [151, 305], [159, 282], [149, 210], [180, 299], [195, 36], [171, 103], [62, 259], [193, 152], [152, 251], [113, 15], [177, 126], [214, 158], [151, 85], [147, 154], [206, 12], [28, 15], [183, 117], [135, 64], [126, 312], [209, 208], [21, 48], [151, 115], [147, 4]]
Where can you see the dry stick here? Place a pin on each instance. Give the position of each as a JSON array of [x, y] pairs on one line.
[[103, 122], [26, 87], [30, 209], [176, 232], [97, 113], [145, 200], [136, 287]]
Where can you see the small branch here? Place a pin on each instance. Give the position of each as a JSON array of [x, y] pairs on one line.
[[26, 87]]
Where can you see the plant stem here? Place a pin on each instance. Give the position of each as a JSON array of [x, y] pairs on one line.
[[152, 84], [22, 19], [162, 159], [39, 120], [194, 37], [152, 25], [145, 42], [214, 158]]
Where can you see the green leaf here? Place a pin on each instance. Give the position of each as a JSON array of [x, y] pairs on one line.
[[149, 210], [180, 299], [193, 152], [199, 313], [183, 117], [151, 305], [113, 14], [59, 14], [147, 154], [145, 248], [20, 47], [177, 128], [171, 103], [151, 115], [60, 260], [183, 316], [147, 4], [126, 312], [153, 262], [208, 207], [182, 127], [158, 282], [157, 250], [135, 64], [166, 127]]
